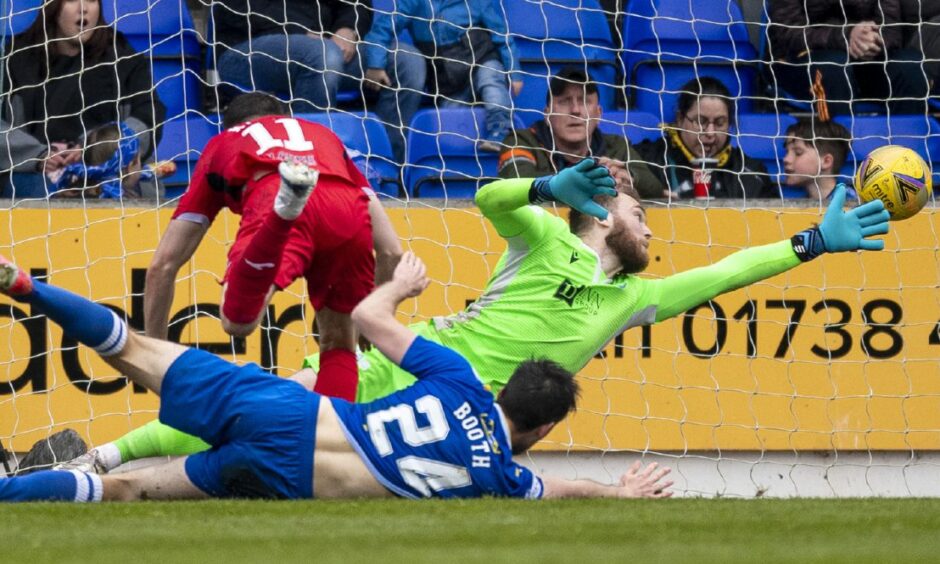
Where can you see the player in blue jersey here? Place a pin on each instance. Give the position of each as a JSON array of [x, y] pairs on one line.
[[445, 436]]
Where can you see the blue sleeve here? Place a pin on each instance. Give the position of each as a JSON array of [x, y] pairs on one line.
[[381, 37], [493, 21], [427, 359], [523, 482]]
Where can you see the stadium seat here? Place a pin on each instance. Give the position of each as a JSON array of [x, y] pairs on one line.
[[366, 138], [164, 29], [918, 132], [442, 159], [635, 125], [552, 35], [667, 42], [17, 15], [183, 140], [762, 136]]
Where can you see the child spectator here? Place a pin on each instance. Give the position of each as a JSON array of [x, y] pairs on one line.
[[815, 152], [110, 167]]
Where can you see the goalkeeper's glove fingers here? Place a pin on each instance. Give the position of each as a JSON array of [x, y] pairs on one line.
[[578, 185], [844, 230]]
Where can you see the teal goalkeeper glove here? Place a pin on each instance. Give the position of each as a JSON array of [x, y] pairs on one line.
[[843, 230], [576, 186]]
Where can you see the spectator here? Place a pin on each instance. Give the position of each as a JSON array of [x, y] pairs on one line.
[[815, 152], [857, 45], [307, 50], [110, 167], [67, 74], [697, 150], [923, 34], [469, 53], [569, 133]]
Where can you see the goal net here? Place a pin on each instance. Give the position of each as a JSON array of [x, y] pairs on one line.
[[821, 381]]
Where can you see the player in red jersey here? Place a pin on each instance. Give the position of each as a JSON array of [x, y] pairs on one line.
[[315, 218]]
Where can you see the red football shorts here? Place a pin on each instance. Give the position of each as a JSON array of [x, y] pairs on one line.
[[330, 244]]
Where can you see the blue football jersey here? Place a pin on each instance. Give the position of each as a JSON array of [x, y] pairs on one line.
[[442, 437]]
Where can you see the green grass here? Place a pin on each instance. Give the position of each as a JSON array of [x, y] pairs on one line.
[[375, 532]]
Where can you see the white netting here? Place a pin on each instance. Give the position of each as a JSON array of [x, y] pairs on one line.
[[820, 381]]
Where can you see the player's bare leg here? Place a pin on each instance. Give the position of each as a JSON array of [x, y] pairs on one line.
[[251, 277], [142, 359], [160, 482]]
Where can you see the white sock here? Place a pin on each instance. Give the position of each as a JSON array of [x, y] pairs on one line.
[[116, 340], [288, 204], [88, 487], [109, 455]]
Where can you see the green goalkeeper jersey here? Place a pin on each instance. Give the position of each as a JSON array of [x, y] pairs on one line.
[[549, 298]]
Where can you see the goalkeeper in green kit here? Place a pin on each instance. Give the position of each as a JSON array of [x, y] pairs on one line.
[[561, 291]]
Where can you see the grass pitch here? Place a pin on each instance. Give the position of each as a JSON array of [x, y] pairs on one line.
[[582, 531]]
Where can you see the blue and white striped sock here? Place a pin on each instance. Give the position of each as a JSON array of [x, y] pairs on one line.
[[52, 485], [89, 323]]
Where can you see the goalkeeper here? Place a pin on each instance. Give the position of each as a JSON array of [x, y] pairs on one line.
[[563, 291]]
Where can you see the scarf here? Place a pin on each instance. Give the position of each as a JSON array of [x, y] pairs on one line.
[[106, 174], [675, 140]]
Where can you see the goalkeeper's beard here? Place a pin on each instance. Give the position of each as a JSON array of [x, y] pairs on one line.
[[630, 250]]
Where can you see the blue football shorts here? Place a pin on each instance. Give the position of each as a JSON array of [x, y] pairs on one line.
[[262, 428]]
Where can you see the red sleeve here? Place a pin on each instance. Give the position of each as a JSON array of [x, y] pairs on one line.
[[201, 202]]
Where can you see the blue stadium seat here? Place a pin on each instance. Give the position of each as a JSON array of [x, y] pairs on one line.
[[183, 140], [366, 138], [920, 133], [17, 15], [667, 42], [762, 137], [163, 29], [442, 159], [635, 125], [552, 35]]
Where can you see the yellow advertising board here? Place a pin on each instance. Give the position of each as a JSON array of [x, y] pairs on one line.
[[840, 353]]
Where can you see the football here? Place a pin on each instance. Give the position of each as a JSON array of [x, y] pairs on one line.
[[897, 176]]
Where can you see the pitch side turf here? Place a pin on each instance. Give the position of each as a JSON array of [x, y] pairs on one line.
[[374, 532]]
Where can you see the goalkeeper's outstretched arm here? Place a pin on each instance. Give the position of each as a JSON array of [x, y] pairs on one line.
[[839, 231], [506, 203]]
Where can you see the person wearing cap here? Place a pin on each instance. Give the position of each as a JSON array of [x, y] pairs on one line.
[[569, 133]]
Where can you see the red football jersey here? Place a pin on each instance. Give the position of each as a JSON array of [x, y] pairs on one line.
[[238, 160]]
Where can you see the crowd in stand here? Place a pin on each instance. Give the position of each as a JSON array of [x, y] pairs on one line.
[[71, 74]]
